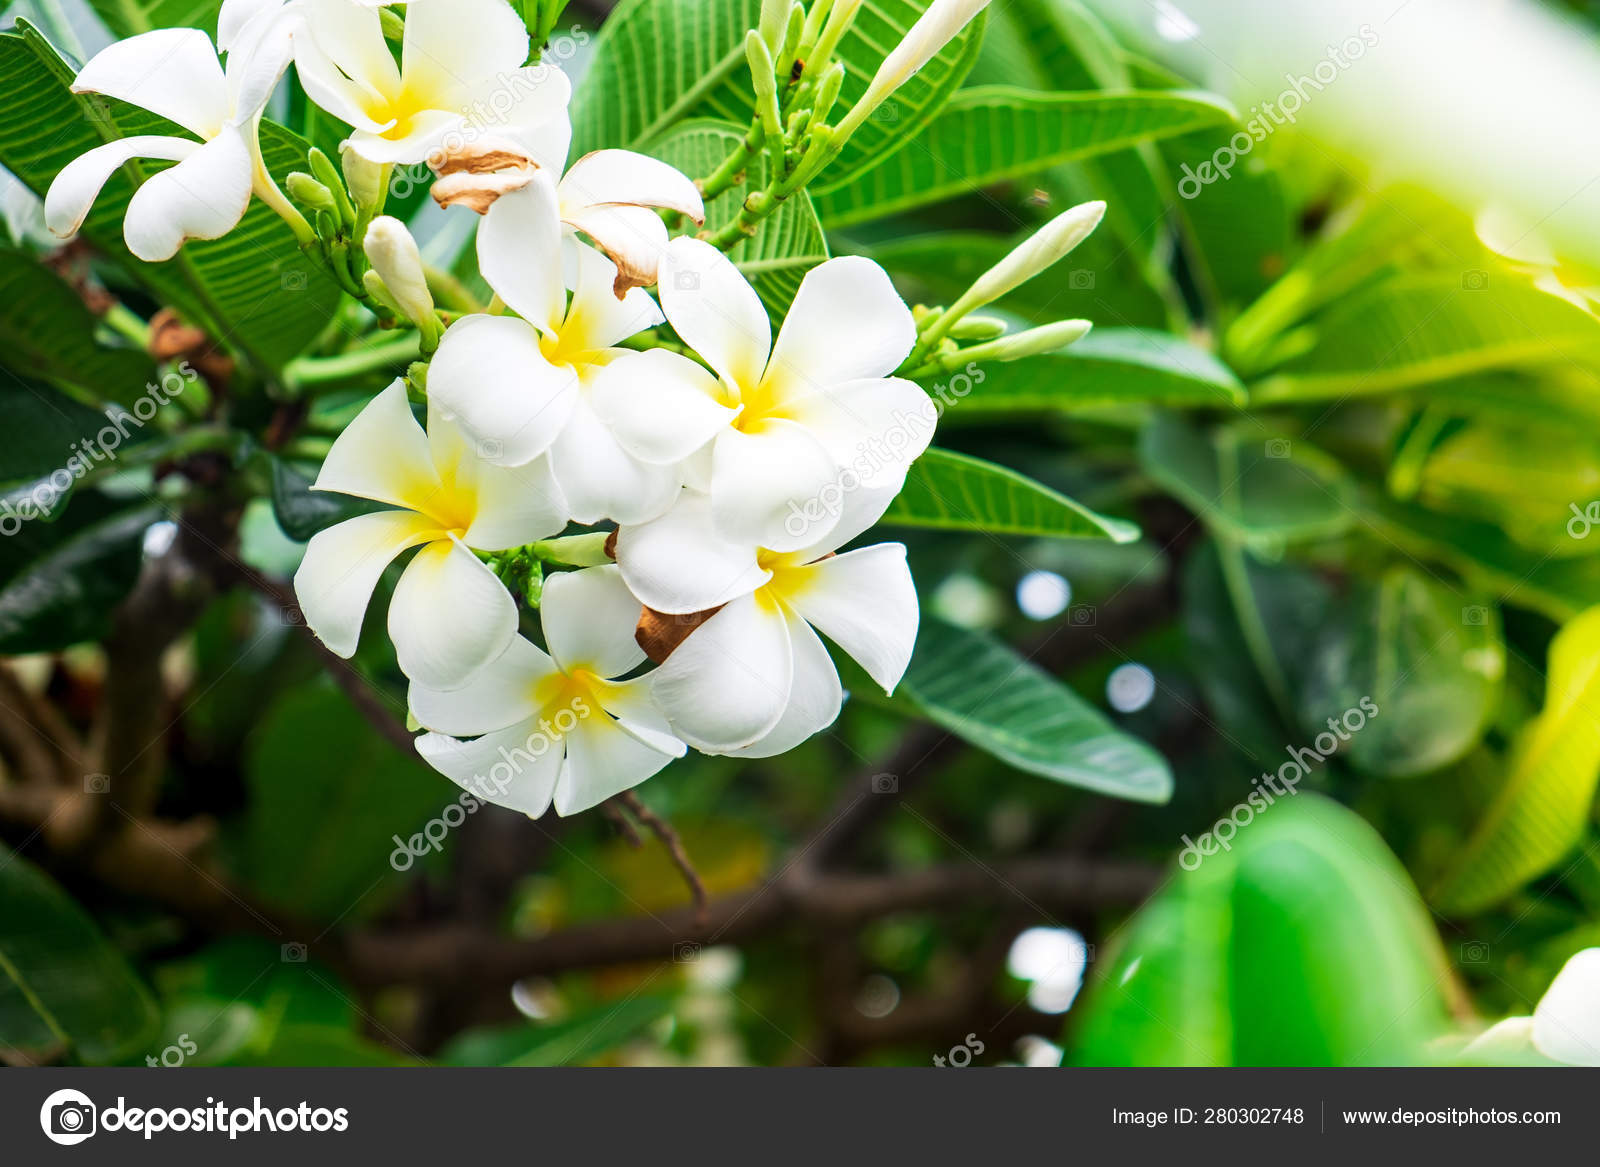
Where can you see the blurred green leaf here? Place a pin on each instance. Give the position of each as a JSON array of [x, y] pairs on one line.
[[131, 17], [47, 428], [1540, 812], [321, 1045], [569, 1041], [1304, 944], [985, 136], [63, 988], [949, 491]]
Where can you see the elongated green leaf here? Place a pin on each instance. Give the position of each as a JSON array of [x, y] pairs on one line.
[[1259, 490], [253, 290], [1404, 649], [987, 695], [1116, 366], [45, 331], [1540, 812], [951, 491], [64, 990], [988, 135], [131, 17], [42, 462], [1414, 329], [789, 243], [1249, 956], [660, 62]]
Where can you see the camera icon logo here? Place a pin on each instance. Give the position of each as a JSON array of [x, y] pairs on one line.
[[1475, 617], [686, 281], [1279, 448], [1474, 281], [1081, 280], [1475, 952], [1083, 616], [686, 951], [97, 783], [885, 784], [294, 953], [68, 1117], [491, 449], [294, 281]]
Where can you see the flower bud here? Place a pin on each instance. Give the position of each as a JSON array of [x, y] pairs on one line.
[[1042, 249], [937, 27], [979, 328], [1046, 338], [394, 256], [364, 178], [309, 193]]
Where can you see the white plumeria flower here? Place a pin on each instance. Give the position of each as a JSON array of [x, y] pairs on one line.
[[450, 616], [1565, 1026], [608, 195], [784, 422], [174, 72], [754, 680], [555, 728], [461, 72], [522, 388]]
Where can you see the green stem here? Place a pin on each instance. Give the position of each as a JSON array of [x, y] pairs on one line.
[[312, 373], [575, 550]]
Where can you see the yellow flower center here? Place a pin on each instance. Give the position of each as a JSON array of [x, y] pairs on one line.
[[564, 699]]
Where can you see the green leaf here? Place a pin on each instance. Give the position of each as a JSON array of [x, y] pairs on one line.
[[985, 136], [1413, 329], [63, 988], [60, 581], [45, 331], [253, 289], [319, 775], [1304, 944], [1539, 814], [321, 1045], [1256, 489], [790, 241], [1429, 658], [130, 17], [957, 492], [302, 512], [570, 1041], [43, 463], [984, 693], [1114, 366], [661, 62]]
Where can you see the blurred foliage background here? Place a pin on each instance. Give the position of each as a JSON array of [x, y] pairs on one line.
[[1354, 418]]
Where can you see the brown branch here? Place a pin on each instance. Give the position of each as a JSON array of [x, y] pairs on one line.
[[26, 713], [663, 830]]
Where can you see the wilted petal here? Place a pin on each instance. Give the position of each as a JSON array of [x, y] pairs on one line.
[[715, 310], [516, 768], [624, 177], [383, 455], [449, 617], [501, 693], [492, 379], [847, 323], [537, 117], [865, 602], [343, 564], [680, 564], [173, 72], [728, 684], [589, 617], [202, 197], [661, 406], [815, 696], [71, 196], [598, 317]]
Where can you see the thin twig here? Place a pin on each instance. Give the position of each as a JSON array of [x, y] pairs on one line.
[[614, 815], [664, 831]]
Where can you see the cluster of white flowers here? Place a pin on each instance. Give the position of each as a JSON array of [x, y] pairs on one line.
[[725, 473]]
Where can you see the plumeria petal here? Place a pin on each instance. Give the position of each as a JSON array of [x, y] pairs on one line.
[[727, 685], [815, 696], [878, 427], [598, 317], [516, 505], [173, 72], [603, 760], [72, 194], [330, 88], [662, 407], [865, 602], [504, 692], [450, 616], [715, 310], [589, 620], [536, 120], [519, 254], [516, 768], [1566, 1022], [633, 704], [857, 511], [342, 566], [765, 485], [847, 323], [351, 35], [258, 61], [600, 480], [450, 45], [491, 377], [383, 455], [425, 136], [202, 197], [621, 176], [679, 563], [234, 15]]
